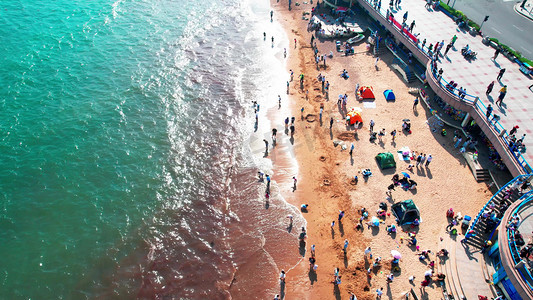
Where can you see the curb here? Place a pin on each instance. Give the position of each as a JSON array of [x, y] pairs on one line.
[[520, 11]]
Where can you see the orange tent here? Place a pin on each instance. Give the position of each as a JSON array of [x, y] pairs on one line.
[[354, 116], [366, 92]]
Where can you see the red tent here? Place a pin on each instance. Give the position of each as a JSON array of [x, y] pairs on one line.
[[366, 92]]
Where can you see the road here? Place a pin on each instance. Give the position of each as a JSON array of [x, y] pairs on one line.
[[505, 24]]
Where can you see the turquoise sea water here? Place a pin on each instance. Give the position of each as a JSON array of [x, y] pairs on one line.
[[121, 125]]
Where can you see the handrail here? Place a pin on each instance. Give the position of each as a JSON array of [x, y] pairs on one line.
[[495, 195], [479, 105], [512, 244]]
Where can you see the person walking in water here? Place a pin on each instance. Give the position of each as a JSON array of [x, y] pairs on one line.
[[271, 15], [266, 145], [295, 181]]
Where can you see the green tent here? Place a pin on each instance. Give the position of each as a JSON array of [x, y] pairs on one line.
[[405, 212], [386, 160]]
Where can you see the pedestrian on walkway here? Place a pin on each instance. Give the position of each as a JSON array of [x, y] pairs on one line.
[[500, 75], [428, 160], [412, 26], [423, 44], [503, 92], [405, 16], [415, 103], [498, 50], [376, 63], [454, 38], [489, 111], [513, 131], [448, 47], [489, 88]]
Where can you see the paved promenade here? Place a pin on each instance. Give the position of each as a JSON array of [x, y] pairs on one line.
[[475, 75]]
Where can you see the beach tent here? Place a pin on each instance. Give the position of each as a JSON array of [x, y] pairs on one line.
[[389, 95], [405, 212], [366, 92], [354, 116], [386, 160]]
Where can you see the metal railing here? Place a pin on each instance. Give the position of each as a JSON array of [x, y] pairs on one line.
[[482, 108], [496, 195], [515, 252]]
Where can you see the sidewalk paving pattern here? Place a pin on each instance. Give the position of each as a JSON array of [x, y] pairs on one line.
[[476, 75]]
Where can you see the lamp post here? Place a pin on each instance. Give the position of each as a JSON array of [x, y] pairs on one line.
[[484, 20]]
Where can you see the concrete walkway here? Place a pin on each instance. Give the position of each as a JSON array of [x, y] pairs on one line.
[[464, 270], [475, 76]]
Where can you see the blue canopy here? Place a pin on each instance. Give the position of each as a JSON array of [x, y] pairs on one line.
[[389, 95]]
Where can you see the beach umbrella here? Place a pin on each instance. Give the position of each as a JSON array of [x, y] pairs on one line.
[[406, 175], [375, 221], [396, 254]]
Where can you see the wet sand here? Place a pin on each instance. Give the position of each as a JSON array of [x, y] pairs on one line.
[[325, 172]]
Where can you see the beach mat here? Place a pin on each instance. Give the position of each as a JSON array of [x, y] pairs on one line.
[[367, 104]]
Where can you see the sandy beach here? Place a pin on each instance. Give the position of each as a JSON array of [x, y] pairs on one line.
[[326, 173]]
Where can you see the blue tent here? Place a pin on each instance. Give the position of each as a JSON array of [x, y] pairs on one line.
[[389, 95]]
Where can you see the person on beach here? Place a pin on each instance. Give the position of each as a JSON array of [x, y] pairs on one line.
[[260, 176], [381, 134], [332, 225], [341, 214], [295, 181], [290, 217], [313, 249], [282, 277], [345, 248], [428, 160], [274, 132], [393, 133], [372, 123], [266, 145], [271, 15], [331, 123], [292, 130], [351, 149], [379, 292], [304, 207], [415, 103]]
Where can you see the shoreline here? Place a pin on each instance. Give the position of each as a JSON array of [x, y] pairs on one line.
[[319, 161]]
